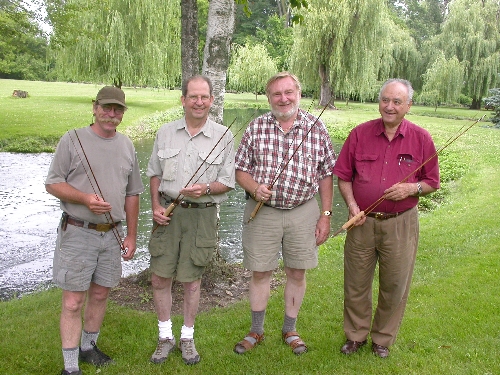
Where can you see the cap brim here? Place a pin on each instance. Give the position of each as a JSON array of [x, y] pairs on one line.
[[111, 101]]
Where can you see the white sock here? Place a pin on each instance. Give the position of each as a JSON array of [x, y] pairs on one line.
[[165, 329], [187, 332]]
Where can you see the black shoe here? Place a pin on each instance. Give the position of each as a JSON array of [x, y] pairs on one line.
[[64, 372], [380, 351], [95, 357], [351, 346]]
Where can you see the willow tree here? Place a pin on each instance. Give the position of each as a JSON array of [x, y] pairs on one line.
[[250, 68], [471, 32], [339, 45], [443, 81], [122, 42]]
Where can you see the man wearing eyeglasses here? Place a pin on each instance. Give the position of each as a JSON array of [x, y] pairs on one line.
[[192, 167], [96, 176]]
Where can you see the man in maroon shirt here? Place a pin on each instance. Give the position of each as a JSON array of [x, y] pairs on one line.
[[376, 157]]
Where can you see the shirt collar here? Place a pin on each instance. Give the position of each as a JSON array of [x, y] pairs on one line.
[[207, 129], [402, 128]]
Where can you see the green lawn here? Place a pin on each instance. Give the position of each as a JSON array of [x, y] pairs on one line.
[[451, 324]]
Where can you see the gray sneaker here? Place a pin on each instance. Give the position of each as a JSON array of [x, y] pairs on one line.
[[189, 354], [163, 349]]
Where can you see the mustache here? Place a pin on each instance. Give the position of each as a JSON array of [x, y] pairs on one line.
[[112, 120]]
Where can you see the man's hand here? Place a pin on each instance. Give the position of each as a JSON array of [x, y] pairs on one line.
[[97, 205], [159, 217], [400, 191], [128, 247], [322, 229], [194, 191]]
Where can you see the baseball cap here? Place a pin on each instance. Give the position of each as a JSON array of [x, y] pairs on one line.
[[111, 95]]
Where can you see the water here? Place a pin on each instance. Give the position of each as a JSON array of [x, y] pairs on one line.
[[29, 217]]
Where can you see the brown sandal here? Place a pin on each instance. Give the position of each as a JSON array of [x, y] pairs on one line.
[[298, 346], [245, 345]]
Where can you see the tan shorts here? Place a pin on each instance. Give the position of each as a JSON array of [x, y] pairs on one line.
[[185, 247], [291, 232]]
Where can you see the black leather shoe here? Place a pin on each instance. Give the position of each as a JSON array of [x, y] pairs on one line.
[[380, 351], [352, 346]]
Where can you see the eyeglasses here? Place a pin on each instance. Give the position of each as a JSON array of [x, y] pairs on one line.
[[119, 110], [194, 98]]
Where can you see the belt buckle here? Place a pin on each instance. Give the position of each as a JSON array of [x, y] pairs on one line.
[[379, 215], [102, 227]]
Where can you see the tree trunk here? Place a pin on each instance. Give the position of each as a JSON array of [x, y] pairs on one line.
[[220, 27], [476, 103], [189, 39], [326, 94]]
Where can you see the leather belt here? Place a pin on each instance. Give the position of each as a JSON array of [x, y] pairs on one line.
[[85, 224], [384, 215], [188, 204]]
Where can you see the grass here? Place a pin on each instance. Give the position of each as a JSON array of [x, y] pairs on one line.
[[450, 326]]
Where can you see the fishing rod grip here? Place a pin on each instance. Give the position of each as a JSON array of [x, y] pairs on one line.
[[170, 208], [255, 210], [353, 220]]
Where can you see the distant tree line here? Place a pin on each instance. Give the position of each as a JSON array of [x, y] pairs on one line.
[[340, 49]]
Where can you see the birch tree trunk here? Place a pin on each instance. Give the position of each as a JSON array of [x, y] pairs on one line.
[[220, 28], [189, 39]]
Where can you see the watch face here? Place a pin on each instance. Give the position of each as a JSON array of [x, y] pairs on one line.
[[327, 213]]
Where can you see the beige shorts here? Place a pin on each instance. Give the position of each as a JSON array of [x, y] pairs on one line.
[[186, 246], [85, 255], [274, 231]]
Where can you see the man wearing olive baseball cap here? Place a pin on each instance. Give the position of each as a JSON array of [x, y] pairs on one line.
[[95, 175], [111, 95]]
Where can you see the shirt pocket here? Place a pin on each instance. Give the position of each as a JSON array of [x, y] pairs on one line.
[[169, 161], [211, 164], [408, 164], [364, 164]]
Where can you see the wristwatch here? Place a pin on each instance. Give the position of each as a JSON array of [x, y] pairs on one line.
[[207, 192], [327, 213], [419, 189]]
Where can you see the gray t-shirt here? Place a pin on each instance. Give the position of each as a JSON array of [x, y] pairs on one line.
[[113, 162]]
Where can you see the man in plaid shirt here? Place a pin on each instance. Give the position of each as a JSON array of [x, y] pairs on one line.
[[284, 158]]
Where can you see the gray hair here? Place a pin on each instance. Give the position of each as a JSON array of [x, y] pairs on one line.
[[280, 76], [407, 84]]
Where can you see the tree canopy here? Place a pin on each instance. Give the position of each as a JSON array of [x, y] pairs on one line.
[[250, 69], [23, 44], [443, 81], [471, 32], [119, 41], [338, 46]]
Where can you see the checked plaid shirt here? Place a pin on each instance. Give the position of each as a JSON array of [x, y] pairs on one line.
[[265, 149]]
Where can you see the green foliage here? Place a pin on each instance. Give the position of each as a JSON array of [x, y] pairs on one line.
[[353, 42], [22, 45], [278, 40], [340, 131], [147, 126], [493, 101], [250, 69], [423, 17], [120, 42], [471, 32]]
